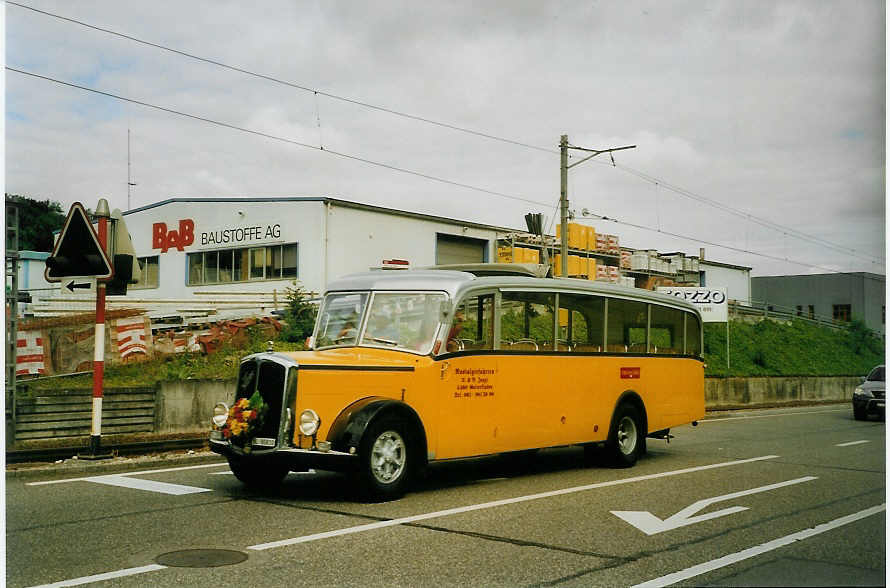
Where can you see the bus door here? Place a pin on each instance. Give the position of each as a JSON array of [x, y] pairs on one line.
[[470, 382]]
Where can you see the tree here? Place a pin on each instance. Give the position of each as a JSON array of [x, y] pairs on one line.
[[299, 315], [37, 221]]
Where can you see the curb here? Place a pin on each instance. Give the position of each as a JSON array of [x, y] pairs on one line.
[[79, 467]]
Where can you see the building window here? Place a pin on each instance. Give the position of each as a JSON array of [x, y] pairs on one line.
[[150, 276], [799, 310], [271, 262], [840, 312], [811, 310]]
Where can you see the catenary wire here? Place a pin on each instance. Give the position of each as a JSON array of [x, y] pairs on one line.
[[277, 138], [763, 222], [399, 169], [641, 175], [285, 82]]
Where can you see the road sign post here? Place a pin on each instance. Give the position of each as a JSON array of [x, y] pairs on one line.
[[95, 450], [82, 252]]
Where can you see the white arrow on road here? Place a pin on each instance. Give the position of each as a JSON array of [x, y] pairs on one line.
[[651, 524]]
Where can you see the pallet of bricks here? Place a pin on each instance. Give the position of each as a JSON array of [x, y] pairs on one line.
[[516, 254]]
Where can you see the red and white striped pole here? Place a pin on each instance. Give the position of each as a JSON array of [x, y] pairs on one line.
[[103, 214]]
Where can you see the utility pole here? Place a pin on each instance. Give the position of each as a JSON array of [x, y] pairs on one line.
[[130, 183], [564, 168], [12, 295]]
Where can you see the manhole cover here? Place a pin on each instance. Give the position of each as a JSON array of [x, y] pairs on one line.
[[201, 558]]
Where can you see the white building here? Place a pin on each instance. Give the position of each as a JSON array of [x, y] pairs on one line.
[[216, 253], [194, 247], [735, 278]]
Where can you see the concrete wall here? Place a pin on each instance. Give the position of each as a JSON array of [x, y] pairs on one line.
[[186, 406], [726, 393]]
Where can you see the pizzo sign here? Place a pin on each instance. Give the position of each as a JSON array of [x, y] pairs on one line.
[[711, 302]]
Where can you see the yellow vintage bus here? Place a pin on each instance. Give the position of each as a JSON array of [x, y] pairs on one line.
[[413, 366]]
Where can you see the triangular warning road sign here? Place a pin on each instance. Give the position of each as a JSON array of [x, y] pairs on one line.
[[77, 253]]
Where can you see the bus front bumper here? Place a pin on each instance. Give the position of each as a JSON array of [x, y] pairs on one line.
[[296, 460]]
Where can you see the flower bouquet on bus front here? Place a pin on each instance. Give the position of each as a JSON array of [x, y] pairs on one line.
[[245, 419]]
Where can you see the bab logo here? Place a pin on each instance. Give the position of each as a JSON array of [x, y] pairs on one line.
[[164, 239]]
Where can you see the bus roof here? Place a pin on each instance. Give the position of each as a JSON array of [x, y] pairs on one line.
[[455, 283]]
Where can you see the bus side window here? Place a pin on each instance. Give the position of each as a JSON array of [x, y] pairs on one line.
[[581, 322], [628, 322], [473, 327], [666, 330], [693, 335], [527, 321]]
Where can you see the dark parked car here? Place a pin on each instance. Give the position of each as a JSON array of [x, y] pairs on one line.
[[868, 397]]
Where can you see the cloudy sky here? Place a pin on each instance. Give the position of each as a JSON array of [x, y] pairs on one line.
[[759, 126]]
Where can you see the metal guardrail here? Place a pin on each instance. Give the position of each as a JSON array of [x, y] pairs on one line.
[[757, 308]]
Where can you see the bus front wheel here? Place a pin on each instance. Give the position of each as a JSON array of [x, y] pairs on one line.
[[385, 460], [626, 437]]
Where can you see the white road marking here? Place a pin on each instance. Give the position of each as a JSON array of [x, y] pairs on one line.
[[650, 524], [860, 442], [148, 485], [229, 473], [495, 503], [143, 472], [732, 558], [767, 416], [105, 576]]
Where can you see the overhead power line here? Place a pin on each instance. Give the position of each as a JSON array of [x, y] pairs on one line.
[[641, 175], [739, 213], [715, 244], [285, 82], [397, 168], [277, 138]]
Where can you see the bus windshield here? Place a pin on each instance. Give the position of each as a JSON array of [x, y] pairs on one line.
[[407, 321], [339, 319]]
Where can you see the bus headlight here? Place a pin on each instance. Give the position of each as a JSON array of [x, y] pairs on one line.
[[220, 414], [309, 422]]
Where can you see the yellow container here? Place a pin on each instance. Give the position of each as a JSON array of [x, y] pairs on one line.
[[526, 255], [505, 255], [591, 269], [577, 235], [577, 265], [591, 239]]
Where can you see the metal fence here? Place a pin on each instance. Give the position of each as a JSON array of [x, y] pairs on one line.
[[754, 309]]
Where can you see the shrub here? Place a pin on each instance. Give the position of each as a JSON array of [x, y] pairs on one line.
[[299, 315]]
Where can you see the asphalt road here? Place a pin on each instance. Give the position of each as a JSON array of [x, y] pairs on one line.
[[780, 497]]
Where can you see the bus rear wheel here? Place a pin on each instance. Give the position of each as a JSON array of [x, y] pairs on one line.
[[626, 437]]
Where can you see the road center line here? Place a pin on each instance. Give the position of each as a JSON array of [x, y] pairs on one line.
[[105, 576], [860, 442], [767, 416], [732, 558], [495, 503]]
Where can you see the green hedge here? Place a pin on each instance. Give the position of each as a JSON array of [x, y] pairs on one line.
[[793, 348]]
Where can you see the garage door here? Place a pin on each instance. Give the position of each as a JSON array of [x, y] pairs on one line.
[[455, 249]]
